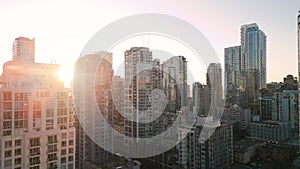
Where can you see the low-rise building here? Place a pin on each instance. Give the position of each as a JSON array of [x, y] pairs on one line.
[[245, 150], [270, 130]]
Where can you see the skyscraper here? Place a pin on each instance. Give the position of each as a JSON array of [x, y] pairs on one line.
[[176, 68], [214, 153], [214, 83], [23, 50], [36, 118], [253, 62], [232, 60], [198, 97], [92, 91], [137, 101]]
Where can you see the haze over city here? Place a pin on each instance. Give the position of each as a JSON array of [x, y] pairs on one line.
[[62, 28], [149, 84]]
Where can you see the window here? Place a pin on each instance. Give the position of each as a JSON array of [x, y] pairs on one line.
[[34, 151], [70, 158], [7, 106], [7, 133], [21, 96], [7, 124], [71, 142], [18, 124], [37, 105], [49, 124], [7, 163], [64, 143], [52, 148], [18, 152], [7, 153], [7, 115], [71, 150], [18, 161], [62, 95], [52, 139], [70, 166], [18, 115], [63, 151], [63, 135], [62, 111], [52, 157], [49, 113], [34, 160], [8, 144], [71, 134], [52, 165], [18, 142], [36, 114], [42, 94], [62, 103], [7, 96], [34, 142], [63, 160]]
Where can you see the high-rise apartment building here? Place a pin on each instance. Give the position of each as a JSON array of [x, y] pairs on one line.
[[198, 99], [284, 108], [23, 50], [232, 60], [36, 118], [143, 97], [93, 99], [253, 59], [138, 66], [176, 69], [214, 83], [216, 152]]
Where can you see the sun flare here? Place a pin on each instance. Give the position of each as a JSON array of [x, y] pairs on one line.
[[66, 74]]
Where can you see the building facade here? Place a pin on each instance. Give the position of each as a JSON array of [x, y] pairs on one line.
[[198, 99], [23, 50], [253, 62], [270, 130], [232, 60], [176, 69], [215, 87], [216, 152], [284, 108], [93, 100], [37, 120]]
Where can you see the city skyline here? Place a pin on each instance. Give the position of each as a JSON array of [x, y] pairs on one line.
[[131, 85], [281, 33]]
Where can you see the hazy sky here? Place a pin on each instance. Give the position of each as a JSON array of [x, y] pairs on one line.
[[62, 28]]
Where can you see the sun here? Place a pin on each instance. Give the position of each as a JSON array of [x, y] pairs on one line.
[[66, 74]]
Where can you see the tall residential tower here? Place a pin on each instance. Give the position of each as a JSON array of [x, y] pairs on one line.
[[23, 50], [253, 60]]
